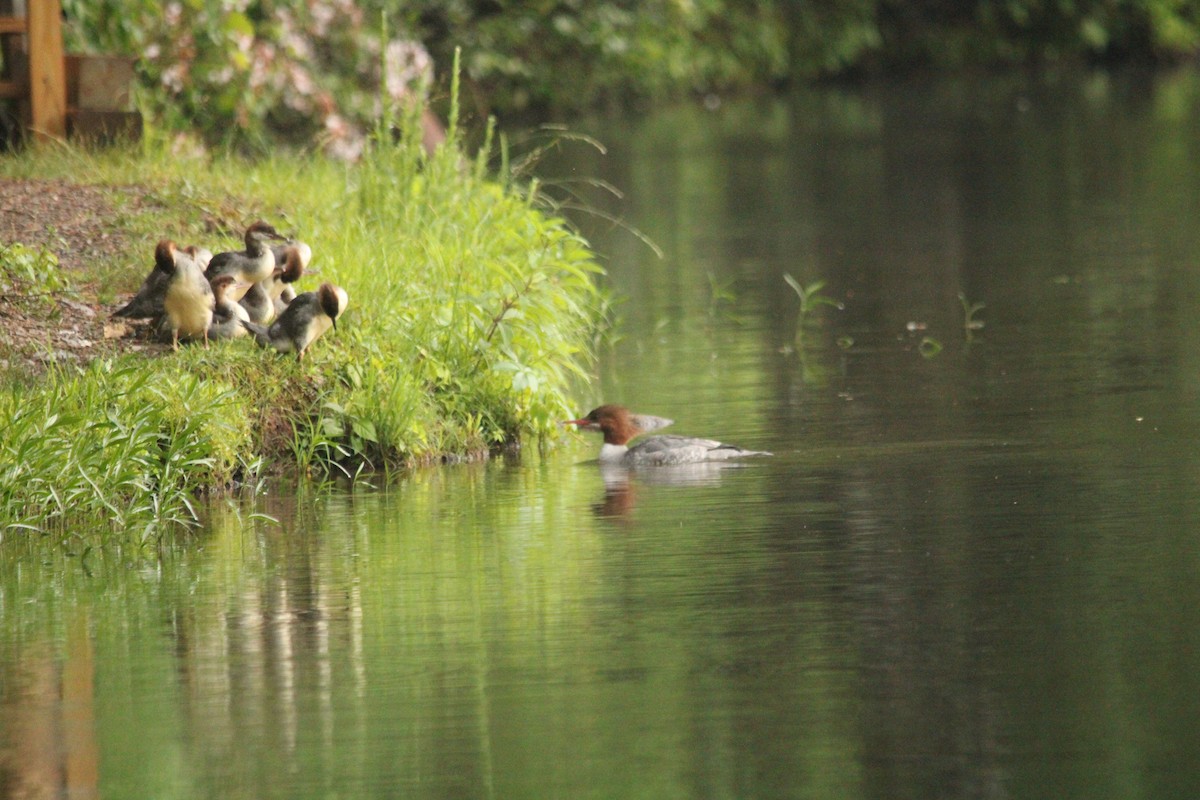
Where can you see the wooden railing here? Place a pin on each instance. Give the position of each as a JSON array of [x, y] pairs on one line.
[[43, 82]]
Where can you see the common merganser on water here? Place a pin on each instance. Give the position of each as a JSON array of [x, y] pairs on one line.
[[188, 302], [254, 264], [304, 320], [227, 315], [619, 426]]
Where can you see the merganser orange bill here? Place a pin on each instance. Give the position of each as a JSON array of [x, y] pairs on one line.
[[619, 426]]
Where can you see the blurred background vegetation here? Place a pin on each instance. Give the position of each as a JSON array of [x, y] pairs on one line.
[[255, 71]]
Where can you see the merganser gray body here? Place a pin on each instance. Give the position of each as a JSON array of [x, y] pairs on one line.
[[188, 301], [254, 264], [257, 304], [619, 426], [303, 321], [227, 315]]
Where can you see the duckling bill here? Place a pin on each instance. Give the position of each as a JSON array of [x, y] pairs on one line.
[[304, 320]]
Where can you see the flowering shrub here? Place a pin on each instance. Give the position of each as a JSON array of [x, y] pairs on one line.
[[243, 72]]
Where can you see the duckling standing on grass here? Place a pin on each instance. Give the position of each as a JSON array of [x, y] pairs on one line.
[[262, 300], [148, 302], [303, 321], [227, 315], [254, 264], [188, 301]]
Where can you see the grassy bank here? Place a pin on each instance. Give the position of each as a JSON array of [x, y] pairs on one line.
[[471, 311]]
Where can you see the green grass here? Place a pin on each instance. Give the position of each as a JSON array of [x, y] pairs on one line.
[[471, 313]]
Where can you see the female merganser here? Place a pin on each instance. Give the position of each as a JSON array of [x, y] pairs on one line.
[[619, 426], [188, 301], [304, 320], [227, 315], [254, 264]]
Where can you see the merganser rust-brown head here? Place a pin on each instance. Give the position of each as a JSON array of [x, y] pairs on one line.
[[292, 267], [164, 256], [221, 284], [261, 231], [333, 300], [617, 423]]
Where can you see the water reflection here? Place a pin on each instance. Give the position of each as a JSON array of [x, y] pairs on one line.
[[621, 482], [971, 574], [47, 702]]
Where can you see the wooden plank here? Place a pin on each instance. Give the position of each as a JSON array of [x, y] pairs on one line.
[[47, 82], [12, 24]]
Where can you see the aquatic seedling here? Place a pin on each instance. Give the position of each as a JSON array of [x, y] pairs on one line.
[[811, 298], [719, 291], [970, 324], [929, 347]]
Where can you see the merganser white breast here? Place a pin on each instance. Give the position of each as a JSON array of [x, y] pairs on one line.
[[148, 302], [263, 301], [619, 426], [303, 321], [188, 302], [254, 264]]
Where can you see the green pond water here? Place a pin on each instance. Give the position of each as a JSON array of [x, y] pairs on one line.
[[969, 573]]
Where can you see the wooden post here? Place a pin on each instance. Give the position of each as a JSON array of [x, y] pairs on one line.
[[47, 80]]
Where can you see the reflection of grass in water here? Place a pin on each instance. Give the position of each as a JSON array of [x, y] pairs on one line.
[[811, 299]]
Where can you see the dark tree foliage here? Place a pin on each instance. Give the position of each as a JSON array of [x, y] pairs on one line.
[[258, 68]]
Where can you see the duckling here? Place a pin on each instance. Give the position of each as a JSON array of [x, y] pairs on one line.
[[188, 301], [257, 304], [295, 265], [148, 302], [260, 299], [250, 266], [227, 315], [201, 255], [304, 320]]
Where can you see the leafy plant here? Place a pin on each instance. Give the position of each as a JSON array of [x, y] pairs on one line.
[[811, 298], [970, 323], [29, 274]]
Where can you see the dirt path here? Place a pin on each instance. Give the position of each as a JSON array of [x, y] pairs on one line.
[[76, 224]]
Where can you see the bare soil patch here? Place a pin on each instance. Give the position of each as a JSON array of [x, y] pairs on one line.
[[76, 223]]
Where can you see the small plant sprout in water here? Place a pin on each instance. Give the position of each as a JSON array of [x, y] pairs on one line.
[[811, 298], [719, 291], [970, 324]]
